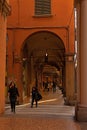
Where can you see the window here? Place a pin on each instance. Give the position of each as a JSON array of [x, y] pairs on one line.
[[42, 7]]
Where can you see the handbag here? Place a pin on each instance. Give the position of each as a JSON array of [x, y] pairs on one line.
[[39, 96]]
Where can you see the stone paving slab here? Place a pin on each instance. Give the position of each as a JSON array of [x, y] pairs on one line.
[[83, 125], [14, 122], [37, 123]]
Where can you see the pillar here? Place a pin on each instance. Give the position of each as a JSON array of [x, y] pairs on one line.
[[63, 80], [2, 62], [84, 52], [82, 107], [4, 11], [32, 70], [18, 77], [70, 86]]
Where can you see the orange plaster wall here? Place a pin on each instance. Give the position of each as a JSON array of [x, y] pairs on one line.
[[10, 50], [22, 23], [17, 38], [22, 16], [71, 35]]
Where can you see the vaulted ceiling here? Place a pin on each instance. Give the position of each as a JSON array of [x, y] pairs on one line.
[[38, 44]]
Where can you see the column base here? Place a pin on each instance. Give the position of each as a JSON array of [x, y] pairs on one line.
[[81, 113]]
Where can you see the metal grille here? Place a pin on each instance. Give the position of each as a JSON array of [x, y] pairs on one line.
[[42, 7]]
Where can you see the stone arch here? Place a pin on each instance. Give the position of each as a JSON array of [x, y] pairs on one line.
[[33, 51]]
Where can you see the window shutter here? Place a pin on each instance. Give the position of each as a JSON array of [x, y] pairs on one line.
[[42, 7]]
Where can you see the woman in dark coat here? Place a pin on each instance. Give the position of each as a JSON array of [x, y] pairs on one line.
[[13, 93], [34, 96]]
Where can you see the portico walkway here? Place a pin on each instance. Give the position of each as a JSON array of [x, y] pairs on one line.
[[51, 114]]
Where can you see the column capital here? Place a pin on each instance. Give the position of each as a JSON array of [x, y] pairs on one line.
[[5, 8], [69, 57]]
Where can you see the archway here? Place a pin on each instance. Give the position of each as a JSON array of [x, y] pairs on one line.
[[43, 56]]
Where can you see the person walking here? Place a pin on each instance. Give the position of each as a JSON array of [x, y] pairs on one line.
[[13, 94], [54, 86], [34, 96]]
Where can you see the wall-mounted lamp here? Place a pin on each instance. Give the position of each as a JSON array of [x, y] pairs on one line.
[[46, 57]]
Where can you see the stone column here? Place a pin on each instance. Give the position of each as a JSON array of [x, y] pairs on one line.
[[4, 11], [2, 61], [18, 76], [82, 107], [84, 52], [32, 72], [70, 80], [63, 80]]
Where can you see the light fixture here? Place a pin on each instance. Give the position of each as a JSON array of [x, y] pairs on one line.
[[46, 57]]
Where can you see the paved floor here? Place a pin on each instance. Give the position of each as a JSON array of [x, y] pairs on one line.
[[36, 123], [51, 114], [83, 125], [57, 111]]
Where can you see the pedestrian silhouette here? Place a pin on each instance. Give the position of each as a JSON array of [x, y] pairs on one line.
[[54, 86], [34, 96], [13, 94]]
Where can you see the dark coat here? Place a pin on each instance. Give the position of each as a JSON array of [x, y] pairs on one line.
[[35, 94], [13, 93]]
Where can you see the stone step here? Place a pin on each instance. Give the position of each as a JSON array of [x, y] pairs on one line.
[[45, 110]]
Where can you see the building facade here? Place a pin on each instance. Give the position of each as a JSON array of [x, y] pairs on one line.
[[44, 41], [36, 29]]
